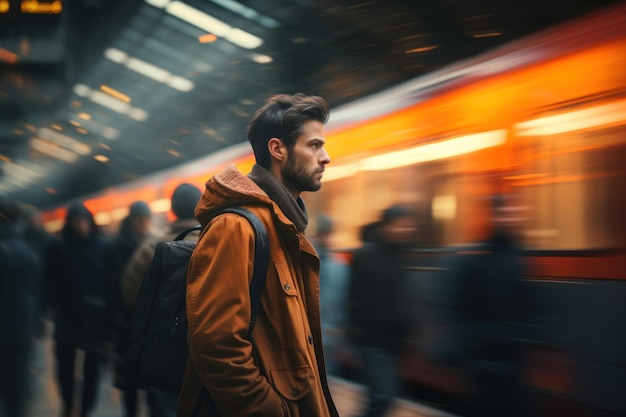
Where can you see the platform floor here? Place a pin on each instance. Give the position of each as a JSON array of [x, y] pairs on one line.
[[45, 401]]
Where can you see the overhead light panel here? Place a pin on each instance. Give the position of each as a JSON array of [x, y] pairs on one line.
[[149, 70], [53, 150], [110, 102], [248, 13], [208, 23]]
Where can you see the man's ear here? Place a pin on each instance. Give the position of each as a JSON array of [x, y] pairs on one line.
[[277, 149]]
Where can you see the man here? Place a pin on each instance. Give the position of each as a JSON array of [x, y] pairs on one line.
[[279, 369], [183, 202], [380, 305], [334, 274], [488, 308], [19, 289], [134, 229]]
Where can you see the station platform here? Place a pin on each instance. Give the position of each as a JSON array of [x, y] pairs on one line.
[[45, 400]]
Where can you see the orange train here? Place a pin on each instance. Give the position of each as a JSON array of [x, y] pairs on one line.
[[545, 117]]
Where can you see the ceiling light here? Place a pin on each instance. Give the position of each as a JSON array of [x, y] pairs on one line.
[[115, 55], [211, 24], [111, 103], [115, 94], [248, 13], [243, 39], [101, 158], [261, 58], [147, 70], [52, 149], [197, 18], [65, 141], [180, 83], [207, 38], [158, 3]]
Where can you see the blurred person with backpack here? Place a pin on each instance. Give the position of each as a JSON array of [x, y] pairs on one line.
[[77, 263], [19, 288], [134, 229], [183, 202], [278, 369], [380, 304]]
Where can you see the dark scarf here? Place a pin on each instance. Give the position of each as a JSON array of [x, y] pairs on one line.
[[294, 209]]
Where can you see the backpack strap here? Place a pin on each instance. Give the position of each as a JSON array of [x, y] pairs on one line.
[[261, 259], [185, 232]]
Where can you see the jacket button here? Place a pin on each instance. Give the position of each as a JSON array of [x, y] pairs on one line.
[[287, 287], [310, 339], [295, 392]]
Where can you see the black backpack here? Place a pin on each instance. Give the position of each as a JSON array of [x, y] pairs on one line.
[[158, 351]]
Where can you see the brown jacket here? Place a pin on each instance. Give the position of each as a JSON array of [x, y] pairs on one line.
[[283, 375]]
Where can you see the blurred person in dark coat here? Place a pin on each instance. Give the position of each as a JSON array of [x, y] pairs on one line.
[[76, 268], [380, 305], [183, 203], [488, 315], [134, 229], [40, 242], [334, 275], [19, 287]]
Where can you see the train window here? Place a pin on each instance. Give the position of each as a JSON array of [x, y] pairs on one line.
[[434, 190], [574, 184]]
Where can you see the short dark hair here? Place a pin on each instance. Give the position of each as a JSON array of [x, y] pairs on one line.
[[282, 117]]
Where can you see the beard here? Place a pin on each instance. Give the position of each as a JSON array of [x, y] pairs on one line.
[[297, 176]]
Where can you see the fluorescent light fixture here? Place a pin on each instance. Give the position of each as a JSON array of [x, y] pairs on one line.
[[110, 103], [208, 23], [65, 141], [148, 70], [158, 3], [116, 55], [261, 58], [248, 13], [81, 90], [422, 153], [53, 149], [197, 18], [137, 114], [243, 39], [603, 115], [180, 83]]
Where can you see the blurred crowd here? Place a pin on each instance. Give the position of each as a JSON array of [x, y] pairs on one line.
[[86, 283]]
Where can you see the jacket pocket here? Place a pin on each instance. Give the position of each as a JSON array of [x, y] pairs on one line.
[[292, 384], [285, 279]]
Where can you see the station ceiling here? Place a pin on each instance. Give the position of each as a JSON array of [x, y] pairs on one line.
[[108, 91]]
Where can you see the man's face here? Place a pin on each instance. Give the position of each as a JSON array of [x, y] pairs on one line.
[[304, 165]]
